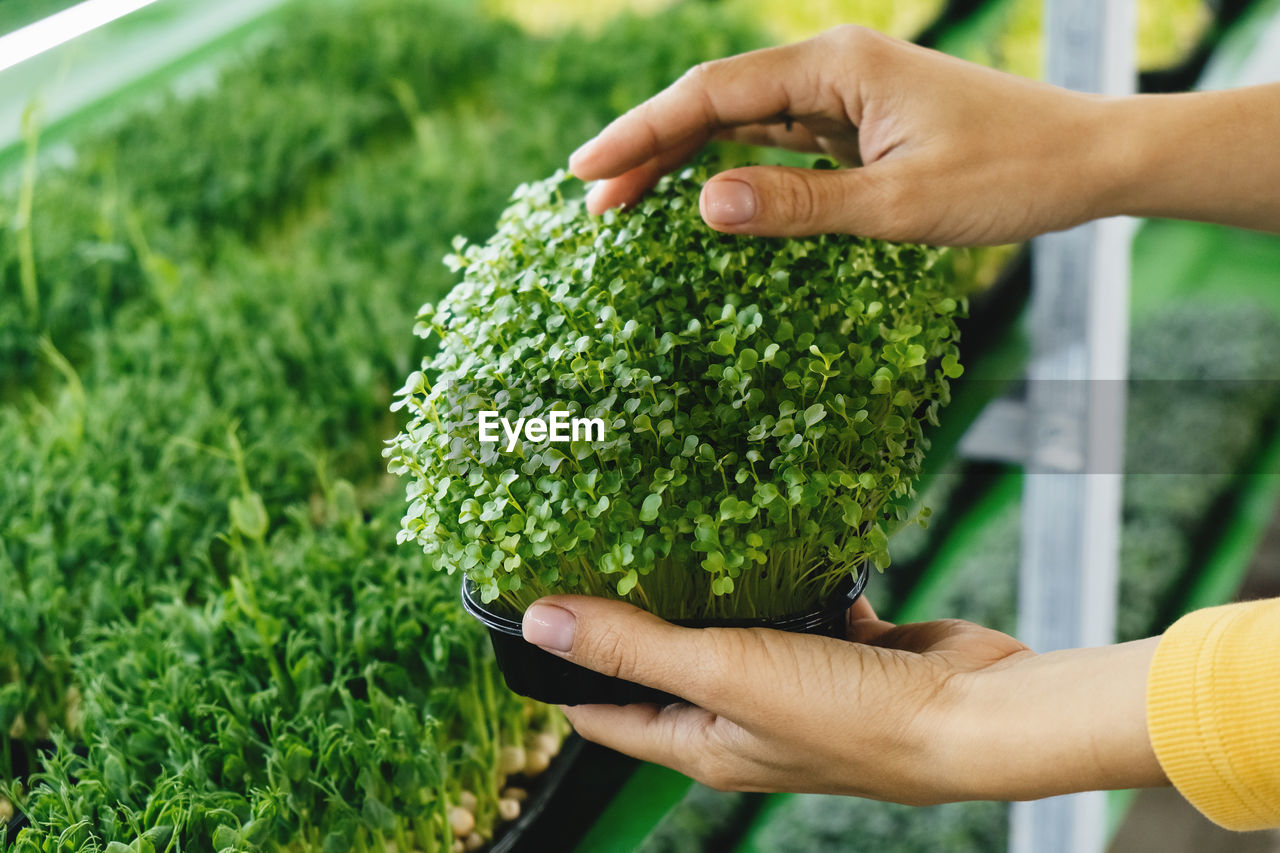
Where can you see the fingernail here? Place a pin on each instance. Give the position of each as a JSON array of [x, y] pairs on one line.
[[729, 202], [550, 627]]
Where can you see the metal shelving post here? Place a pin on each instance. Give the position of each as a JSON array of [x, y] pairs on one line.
[[1075, 415]]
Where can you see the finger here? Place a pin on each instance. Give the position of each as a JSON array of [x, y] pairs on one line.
[[743, 89], [774, 201], [838, 142], [861, 623], [664, 735], [627, 188], [861, 609], [920, 637], [775, 135], [867, 631], [621, 641], [686, 738]]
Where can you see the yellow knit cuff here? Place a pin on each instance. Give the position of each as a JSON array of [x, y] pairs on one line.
[[1213, 712]]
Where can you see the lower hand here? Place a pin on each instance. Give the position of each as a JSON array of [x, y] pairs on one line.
[[924, 713]]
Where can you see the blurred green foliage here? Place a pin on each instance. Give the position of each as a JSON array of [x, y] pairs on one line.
[[204, 608]]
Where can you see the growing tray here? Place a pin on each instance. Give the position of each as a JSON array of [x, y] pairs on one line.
[[538, 674], [571, 794], [561, 808]]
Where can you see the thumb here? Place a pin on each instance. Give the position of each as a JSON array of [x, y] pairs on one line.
[[776, 201], [622, 641]]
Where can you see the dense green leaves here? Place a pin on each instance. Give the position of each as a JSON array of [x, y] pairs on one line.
[[362, 723], [204, 607], [104, 231], [764, 399]]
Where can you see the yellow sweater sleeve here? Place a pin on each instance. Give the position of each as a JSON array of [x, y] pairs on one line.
[[1213, 712]]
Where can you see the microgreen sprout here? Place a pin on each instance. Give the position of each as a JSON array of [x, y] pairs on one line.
[[765, 401]]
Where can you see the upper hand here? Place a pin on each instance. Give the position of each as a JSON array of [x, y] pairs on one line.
[[922, 713], [948, 152]]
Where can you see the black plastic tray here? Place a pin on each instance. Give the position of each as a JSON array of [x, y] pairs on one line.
[[572, 793], [538, 674]]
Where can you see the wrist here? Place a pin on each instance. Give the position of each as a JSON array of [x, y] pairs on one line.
[[1035, 726], [1117, 158], [1192, 155], [1091, 171]]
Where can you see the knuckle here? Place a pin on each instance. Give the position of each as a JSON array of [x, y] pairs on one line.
[[724, 654], [728, 778], [895, 209], [702, 72], [862, 46], [610, 651], [712, 770], [718, 782], [647, 116], [852, 36], [797, 201], [698, 77], [729, 662], [703, 77], [698, 85]]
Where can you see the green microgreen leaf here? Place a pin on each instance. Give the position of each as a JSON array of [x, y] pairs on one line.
[[773, 388]]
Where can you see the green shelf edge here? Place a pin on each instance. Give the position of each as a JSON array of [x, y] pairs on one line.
[[1237, 45], [16, 14], [923, 602], [154, 82], [631, 815], [752, 839], [1228, 563]]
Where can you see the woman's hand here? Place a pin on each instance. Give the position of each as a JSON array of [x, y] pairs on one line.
[[950, 153], [924, 713]]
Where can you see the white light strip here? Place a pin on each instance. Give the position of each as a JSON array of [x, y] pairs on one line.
[[54, 30]]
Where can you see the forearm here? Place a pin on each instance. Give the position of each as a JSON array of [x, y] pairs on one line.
[[1208, 156], [1055, 723]]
